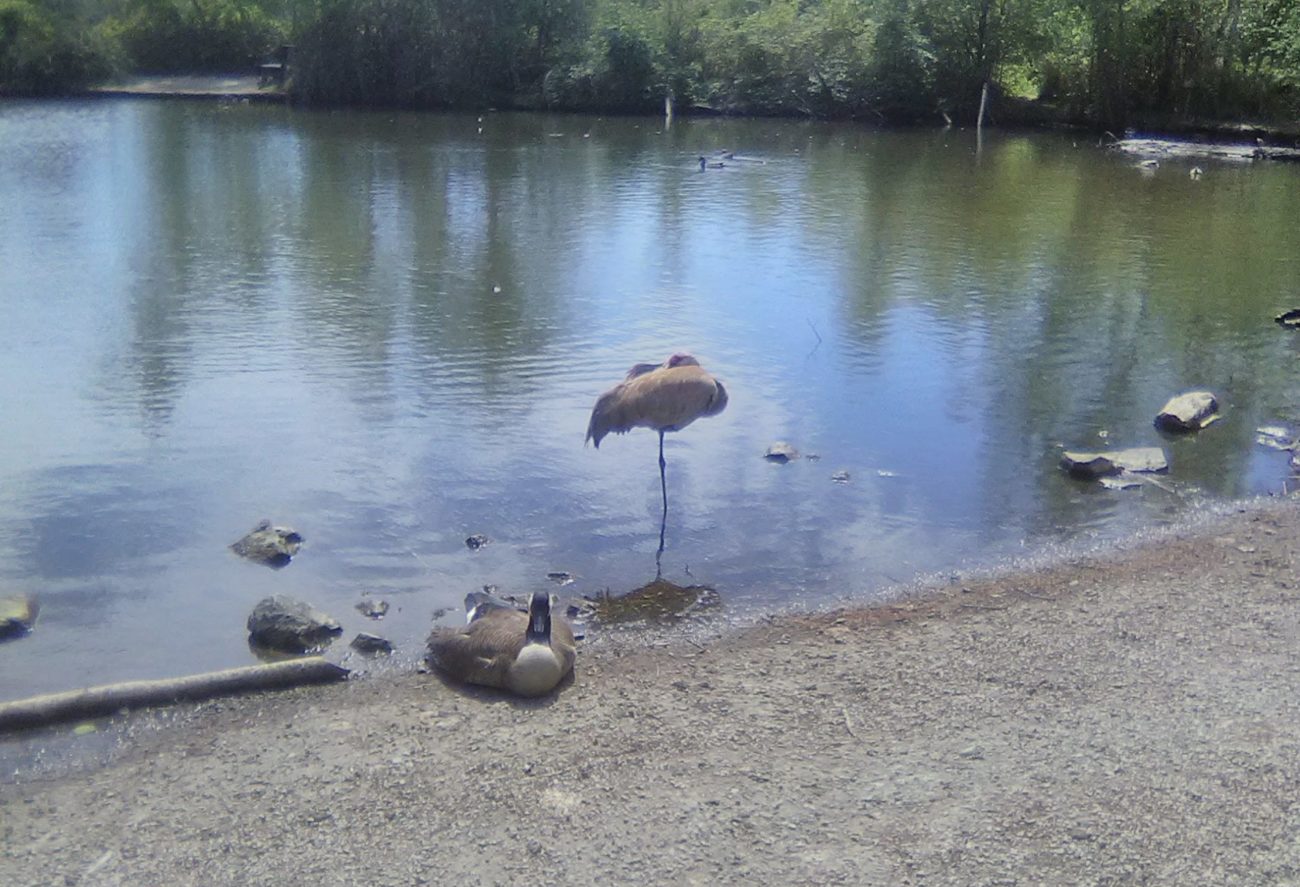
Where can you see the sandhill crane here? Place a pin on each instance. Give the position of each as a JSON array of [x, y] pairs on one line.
[[663, 397]]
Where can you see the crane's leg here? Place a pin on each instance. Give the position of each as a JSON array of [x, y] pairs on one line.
[[663, 485]]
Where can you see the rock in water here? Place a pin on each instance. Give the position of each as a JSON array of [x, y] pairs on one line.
[[371, 644], [1289, 318], [372, 608], [1088, 465], [270, 545], [1112, 462], [477, 541], [1275, 437], [1188, 412], [289, 625], [781, 452], [17, 615]]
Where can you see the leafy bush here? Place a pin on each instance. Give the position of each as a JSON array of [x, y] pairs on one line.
[[42, 53]]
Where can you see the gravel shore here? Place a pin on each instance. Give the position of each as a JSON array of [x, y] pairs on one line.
[[1127, 718]]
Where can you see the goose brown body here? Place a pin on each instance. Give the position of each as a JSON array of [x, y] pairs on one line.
[[663, 397], [497, 649]]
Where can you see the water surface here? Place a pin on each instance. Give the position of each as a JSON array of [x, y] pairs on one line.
[[387, 330]]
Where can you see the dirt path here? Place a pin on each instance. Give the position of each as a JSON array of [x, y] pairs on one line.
[[1127, 720]]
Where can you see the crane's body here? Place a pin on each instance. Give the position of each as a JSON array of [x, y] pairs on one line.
[[662, 397]]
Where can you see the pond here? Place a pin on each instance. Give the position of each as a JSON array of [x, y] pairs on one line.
[[388, 331]]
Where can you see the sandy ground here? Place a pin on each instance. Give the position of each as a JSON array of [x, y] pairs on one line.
[[1126, 719]]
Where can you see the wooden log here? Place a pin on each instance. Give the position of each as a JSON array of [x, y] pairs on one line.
[[39, 711]]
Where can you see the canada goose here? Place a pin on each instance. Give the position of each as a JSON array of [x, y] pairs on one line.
[[525, 653]]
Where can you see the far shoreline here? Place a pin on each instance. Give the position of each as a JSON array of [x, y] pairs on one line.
[[1010, 114]]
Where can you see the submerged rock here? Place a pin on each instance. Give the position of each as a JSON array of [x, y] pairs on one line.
[[1188, 412], [17, 615], [371, 644], [268, 544], [372, 608], [560, 577], [1275, 437], [1112, 462], [781, 451], [841, 477], [657, 601], [477, 541], [290, 625]]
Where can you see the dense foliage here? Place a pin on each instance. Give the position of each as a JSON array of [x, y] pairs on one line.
[[47, 48], [1098, 60], [193, 35]]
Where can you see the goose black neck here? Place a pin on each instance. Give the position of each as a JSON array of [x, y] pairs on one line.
[[539, 618]]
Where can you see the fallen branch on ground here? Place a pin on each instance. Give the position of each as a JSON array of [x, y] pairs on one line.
[[39, 711]]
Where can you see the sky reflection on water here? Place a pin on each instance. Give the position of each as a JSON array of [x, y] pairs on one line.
[[388, 329]]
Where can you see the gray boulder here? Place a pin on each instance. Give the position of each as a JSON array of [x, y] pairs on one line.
[[1188, 412], [289, 625]]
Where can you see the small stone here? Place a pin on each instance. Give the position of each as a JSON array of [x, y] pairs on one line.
[[477, 541], [973, 753], [560, 577], [372, 608]]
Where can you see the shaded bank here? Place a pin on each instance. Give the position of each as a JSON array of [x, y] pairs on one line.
[[1128, 717]]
